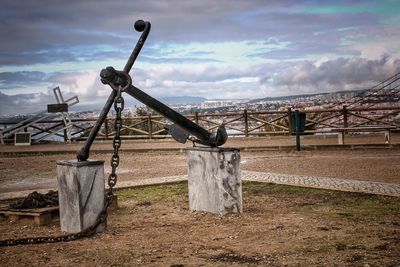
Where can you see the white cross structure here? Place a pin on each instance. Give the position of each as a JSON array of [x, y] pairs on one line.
[[40, 116], [67, 120]]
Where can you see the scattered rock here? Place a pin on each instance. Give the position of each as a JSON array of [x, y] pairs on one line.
[[383, 246], [143, 203], [355, 258], [278, 227], [341, 246]]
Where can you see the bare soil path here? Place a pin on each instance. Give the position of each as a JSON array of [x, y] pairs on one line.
[[19, 173], [280, 226], [273, 142]]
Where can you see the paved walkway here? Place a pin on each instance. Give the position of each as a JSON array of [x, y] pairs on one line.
[[271, 143], [387, 189], [295, 180]]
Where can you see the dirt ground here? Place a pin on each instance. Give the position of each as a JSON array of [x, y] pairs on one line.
[[39, 171], [280, 226]]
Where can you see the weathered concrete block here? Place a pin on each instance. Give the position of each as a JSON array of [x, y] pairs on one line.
[[214, 180], [80, 193]]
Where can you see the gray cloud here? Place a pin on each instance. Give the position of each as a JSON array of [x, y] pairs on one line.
[[24, 103], [37, 102], [22, 76], [220, 81], [177, 60], [10, 80], [18, 79], [60, 31], [333, 75]]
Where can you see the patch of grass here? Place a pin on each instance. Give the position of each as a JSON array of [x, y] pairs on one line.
[[356, 206], [369, 205], [327, 202], [154, 193], [258, 189]]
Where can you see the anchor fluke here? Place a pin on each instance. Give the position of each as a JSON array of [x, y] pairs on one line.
[[177, 133]]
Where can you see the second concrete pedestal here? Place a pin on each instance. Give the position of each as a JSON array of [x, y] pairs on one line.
[[80, 193], [214, 180]]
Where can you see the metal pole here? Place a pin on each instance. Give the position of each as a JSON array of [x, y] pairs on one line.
[[297, 119]]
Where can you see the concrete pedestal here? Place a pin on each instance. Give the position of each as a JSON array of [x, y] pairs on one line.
[[80, 193], [214, 180]]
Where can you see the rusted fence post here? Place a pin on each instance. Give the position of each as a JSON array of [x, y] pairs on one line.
[[297, 123], [345, 116], [196, 117], [246, 123], [289, 116], [150, 126]]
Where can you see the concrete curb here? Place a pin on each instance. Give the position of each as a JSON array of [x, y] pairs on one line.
[[180, 150]]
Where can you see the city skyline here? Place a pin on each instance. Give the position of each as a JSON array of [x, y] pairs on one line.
[[245, 49]]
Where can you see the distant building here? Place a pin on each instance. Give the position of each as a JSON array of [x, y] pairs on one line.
[[221, 103]]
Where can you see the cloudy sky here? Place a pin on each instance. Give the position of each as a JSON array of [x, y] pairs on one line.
[[212, 49]]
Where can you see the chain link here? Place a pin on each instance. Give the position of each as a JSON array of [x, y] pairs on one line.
[[112, 181], [112, 178], [36, 200]]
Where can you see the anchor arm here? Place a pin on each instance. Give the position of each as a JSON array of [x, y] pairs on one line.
[[203, 136], [183, 126]]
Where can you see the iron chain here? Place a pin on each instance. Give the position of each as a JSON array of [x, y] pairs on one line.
[[36, 200], [112, 181], [112, 178]]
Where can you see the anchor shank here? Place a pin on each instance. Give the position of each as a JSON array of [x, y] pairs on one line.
[[132, 58], [83, 154], [140, 26]]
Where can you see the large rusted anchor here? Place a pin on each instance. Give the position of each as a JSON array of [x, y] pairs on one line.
[[182, 128]]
